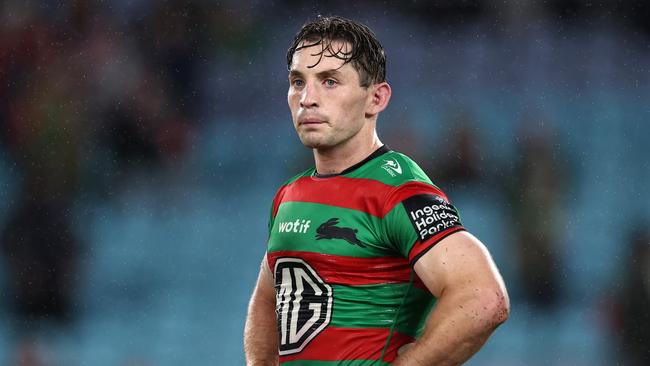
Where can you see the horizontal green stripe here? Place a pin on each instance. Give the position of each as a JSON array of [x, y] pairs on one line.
[[335, 363], [305, 239], [416, 309], [376, 306]]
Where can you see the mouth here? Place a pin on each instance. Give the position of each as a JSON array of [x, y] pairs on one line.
[[311, 121]]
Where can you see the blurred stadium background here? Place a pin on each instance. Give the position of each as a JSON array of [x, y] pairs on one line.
[[142, 142]]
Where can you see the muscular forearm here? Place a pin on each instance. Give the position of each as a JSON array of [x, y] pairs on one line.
[[457, 328], [261, 332], [261, 335]]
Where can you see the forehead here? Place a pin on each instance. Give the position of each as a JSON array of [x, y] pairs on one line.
[[314, 56]]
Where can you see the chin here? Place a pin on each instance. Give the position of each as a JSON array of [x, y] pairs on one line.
[[312, 142]]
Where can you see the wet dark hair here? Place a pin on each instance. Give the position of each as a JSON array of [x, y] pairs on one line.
[[367, 55]]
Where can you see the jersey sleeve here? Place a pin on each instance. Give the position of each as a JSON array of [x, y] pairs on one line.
[[419, 216], [277, 199], [271, 221]]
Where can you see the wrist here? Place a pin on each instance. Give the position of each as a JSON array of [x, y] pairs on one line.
[[405, 356]]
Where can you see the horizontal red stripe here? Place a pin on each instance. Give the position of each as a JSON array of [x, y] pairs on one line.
[[420, 247], [343, 270], [337, 344], [366, 195]]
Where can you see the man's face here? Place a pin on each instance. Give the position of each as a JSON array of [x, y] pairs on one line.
[[327, 103]]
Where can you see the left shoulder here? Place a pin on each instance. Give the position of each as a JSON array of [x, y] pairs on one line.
[[396, 169], [412, 180]]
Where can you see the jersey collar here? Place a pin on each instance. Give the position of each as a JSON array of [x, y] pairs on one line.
[[380, 151]]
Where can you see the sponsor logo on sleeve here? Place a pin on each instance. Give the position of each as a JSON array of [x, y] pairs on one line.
[[430, 215]]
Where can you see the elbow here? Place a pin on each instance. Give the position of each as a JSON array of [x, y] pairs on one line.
[[501, 314], [497, 308]]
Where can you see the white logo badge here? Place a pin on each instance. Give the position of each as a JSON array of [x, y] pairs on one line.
[[303, 304], [392, 167]]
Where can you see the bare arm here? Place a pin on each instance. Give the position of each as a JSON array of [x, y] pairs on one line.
[[261, 331], [472, 302]]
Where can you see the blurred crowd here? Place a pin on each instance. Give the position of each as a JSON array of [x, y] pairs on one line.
[[93, 93], [84, 103]]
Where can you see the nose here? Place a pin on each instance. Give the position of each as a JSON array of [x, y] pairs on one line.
[[309, 97]]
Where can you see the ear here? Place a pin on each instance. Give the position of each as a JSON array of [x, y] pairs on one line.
[[379, 98]]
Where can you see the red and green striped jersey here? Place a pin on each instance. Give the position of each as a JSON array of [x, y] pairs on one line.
[[342, 248]]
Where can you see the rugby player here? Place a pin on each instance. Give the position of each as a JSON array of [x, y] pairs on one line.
[[367, 262]]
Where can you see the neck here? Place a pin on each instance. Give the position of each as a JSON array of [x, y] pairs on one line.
[[336, 159]]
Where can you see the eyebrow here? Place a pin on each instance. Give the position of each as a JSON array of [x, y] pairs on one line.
[[321, 75]]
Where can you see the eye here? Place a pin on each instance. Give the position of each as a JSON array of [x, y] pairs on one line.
[[298, 83], [330, 82]]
